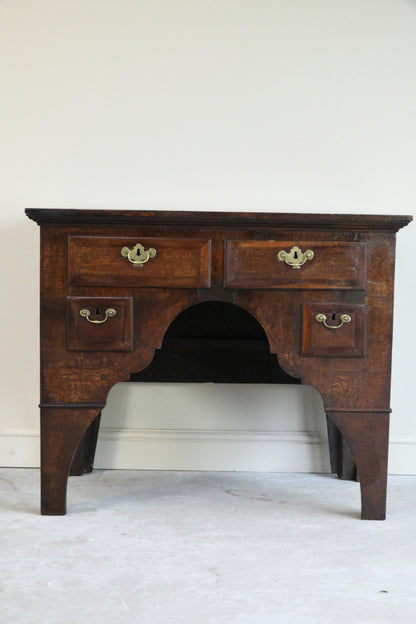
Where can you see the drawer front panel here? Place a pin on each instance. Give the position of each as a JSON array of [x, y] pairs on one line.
[[176, 263], [333, 330], [99, 323], [333, 265]]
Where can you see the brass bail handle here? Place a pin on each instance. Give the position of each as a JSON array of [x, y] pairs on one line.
[[138, 255], [344, 318], [295, 257], [86, 314]]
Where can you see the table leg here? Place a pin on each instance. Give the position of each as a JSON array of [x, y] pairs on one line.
[[61, 431], [367, 436], [342, 461], [83, 460]]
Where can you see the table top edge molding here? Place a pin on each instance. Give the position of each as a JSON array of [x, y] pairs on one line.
[[193, 219]]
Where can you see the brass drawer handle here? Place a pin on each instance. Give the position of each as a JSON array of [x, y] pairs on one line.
[[295, 258], [321, 318], [108, 313], [138, 255]]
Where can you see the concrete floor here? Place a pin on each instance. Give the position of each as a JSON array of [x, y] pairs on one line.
[[206, 548]]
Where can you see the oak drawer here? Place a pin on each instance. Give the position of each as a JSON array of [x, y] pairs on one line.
[[334, 265], [99, 323], [98, 261], [333, 330]]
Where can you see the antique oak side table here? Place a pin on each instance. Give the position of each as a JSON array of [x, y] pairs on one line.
[[319, 287]]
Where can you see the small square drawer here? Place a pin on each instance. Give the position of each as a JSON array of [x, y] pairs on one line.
[[99, 323], [333, 330], [139, 262], [295, 265]]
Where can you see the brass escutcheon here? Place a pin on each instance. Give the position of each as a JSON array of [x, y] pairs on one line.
[[344, 318], [108, 313], [295, 257], [138, 255]]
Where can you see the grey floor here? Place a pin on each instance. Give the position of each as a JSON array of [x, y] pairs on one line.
[[202, 548]]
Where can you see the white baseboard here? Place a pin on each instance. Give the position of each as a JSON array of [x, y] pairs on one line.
[[19, 447], [155, 449], [402, 454], [262, 451]]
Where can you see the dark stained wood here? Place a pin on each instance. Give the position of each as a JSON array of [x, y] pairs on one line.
[[97, 261], [83, 460], [215, 342], [61, 432], [367, 435], [252, 220], [335, 265], [349, 366], [342, 461], [100, 332], [345, 340]]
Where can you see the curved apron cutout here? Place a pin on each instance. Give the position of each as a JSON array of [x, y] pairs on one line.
[[215, 341]]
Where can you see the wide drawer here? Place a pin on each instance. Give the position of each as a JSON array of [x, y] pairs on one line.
[[323, 265], [173, 262]]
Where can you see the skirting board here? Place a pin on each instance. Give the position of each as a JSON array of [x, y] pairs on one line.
[[213, 450], [255, 451]]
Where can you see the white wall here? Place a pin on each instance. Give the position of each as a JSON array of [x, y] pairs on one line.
[[286, 105]]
